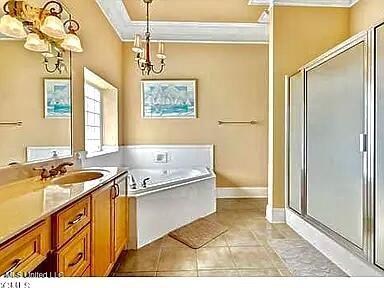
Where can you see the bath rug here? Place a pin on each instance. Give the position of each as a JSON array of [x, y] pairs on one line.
[[198, 233], [304, 260]]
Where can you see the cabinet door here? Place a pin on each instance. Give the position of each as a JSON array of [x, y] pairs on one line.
[[120, 216], [102, 238]]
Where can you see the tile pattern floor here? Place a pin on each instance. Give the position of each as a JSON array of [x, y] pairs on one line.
[[244, 250]]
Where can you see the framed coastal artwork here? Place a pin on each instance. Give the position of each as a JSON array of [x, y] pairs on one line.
[[57, 98], [168, 99]]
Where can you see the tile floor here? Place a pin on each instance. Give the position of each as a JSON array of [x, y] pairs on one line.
[[242, 251]]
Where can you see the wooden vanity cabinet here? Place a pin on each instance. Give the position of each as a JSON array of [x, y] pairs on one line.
[[83, 239]]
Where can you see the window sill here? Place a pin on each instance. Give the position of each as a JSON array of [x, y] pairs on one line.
[[102, 152]]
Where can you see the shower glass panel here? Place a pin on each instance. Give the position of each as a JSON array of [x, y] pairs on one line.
[[296, 114], [379, 146], [335, 120]]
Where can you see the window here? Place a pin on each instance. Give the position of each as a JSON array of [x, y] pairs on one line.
[[93, 119], [101, 108]]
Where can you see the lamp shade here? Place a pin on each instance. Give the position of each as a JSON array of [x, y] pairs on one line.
[[35, 44], [12, 27], [53, 27], [160, 53], [72, 43], [137, 44]]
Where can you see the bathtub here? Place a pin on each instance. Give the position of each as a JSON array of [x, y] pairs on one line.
[[170, 199]]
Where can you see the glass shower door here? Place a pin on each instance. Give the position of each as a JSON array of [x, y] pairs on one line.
[[296, 129], [336, 114]]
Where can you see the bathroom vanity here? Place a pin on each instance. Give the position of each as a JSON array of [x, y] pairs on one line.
[[76, 229]]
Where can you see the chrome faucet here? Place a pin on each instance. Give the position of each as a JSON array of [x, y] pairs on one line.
[[145, 180]]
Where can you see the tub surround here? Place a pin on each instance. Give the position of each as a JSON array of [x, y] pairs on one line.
[[186, 192], [26, 202]]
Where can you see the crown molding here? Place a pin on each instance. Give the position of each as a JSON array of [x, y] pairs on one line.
[[200, 31], [311, 3], [185, 32]]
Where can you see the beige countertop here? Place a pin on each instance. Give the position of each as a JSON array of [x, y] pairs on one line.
[[26, 202]]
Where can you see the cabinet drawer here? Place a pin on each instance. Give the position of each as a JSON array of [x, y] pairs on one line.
[[27, 251], [74, 258], [70, 221]]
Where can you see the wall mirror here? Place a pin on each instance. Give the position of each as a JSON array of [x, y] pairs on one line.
[[36, 105], [101, 115]]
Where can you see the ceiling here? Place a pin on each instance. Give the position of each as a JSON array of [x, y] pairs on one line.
[[196, 10], [188, 21]]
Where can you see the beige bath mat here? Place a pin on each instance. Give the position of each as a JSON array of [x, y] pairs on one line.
[[198, 233]]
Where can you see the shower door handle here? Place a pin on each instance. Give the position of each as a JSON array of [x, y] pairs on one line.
[[363, 142]]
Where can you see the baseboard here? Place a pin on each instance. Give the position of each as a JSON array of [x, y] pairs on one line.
[[347, 261], [242, 192], [275, 215]]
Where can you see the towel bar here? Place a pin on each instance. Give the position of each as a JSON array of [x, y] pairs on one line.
[[18, 123], [253, 122]]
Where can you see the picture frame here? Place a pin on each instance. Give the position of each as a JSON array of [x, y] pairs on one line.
[[57, 98], [169, 99]]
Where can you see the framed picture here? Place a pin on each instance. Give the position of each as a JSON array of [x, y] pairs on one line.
[[57, 98], [168, 99]]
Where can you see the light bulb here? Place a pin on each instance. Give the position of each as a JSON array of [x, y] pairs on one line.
[[137, 44], [160, 54]]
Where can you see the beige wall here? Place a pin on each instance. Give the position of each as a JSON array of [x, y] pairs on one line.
[[298, 35], [22, 99], [102, 55], [366, 13], [232, 85]]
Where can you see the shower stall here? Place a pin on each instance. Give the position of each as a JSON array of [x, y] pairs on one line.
[[335, 144]]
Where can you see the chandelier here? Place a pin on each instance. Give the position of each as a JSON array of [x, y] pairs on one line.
[[143, 55], [43, 30]]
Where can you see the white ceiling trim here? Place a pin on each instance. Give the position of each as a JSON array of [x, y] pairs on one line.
[[198, 32], [314, 3]]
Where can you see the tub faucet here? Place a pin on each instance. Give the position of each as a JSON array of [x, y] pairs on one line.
[[132, 181], [145, 180]]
